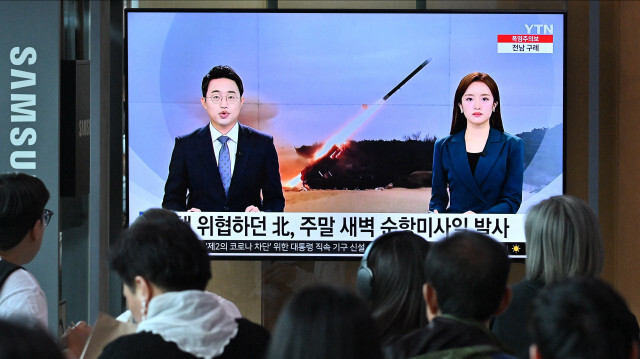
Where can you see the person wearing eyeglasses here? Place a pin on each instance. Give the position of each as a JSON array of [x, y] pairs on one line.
[[225, 165], [23, 219]]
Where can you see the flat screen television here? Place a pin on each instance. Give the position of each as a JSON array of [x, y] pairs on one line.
[[354, 101]]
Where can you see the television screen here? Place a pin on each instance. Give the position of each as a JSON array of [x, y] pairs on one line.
[[355, 102]]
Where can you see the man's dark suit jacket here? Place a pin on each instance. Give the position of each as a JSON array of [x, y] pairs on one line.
[[496, 185], [193, 170]]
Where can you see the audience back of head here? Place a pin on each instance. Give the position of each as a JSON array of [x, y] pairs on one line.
[[22, 201], [393, 282], [165, 269], [324, 322], [563, 240], [160, 247], [469, 272], [582, 318], [23, 220], [18, 341]]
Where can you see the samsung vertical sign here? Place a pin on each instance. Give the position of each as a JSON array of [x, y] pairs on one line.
[[30, 115], [23, 135]]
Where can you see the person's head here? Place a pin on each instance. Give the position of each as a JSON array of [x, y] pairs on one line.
[[391, 278], [158, 253], [563, 240], [466, 276], [582, 317], [155, 214], [324, 322], [476, 100], [20, 341], [222, 92], [22, 215]]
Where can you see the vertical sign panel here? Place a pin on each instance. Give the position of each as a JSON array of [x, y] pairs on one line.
[[29, 104]]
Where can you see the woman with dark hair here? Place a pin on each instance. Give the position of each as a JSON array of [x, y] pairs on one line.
[[481, 164], [563, 241], [165, 269], [323, 322], [391, 277]]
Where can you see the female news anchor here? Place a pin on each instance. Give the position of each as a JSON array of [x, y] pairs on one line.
[[481, 164]]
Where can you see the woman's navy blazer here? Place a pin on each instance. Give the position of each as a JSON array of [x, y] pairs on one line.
[[496, 186]]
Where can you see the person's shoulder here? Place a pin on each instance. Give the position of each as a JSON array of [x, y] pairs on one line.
[[511, 138], [526, 288], [7, 267], [22, 296], [142, 345], [251, 341], [251, 329], [135, 339], [227, 305], [196, 133], [22, 278], [250, 131], [408, 345], [447, 139]]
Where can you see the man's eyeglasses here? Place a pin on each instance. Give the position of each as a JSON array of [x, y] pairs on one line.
[[46, 216], [231, 98]]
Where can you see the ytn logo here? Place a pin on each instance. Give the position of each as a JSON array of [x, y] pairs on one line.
[[539, 29]]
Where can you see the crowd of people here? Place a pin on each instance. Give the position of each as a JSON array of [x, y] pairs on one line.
[[414, 299]]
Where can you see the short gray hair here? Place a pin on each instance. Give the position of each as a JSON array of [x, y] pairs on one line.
[[563, 240]]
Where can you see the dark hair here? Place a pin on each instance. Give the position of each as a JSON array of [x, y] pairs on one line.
[[18, 341], [396, 261], [324, 322], [155, 214], [459, 121], [163, 249], [582, 317], [468, 271], [221, 72], [22, 201]]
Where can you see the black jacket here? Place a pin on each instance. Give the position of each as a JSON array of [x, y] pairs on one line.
[[444, 332]]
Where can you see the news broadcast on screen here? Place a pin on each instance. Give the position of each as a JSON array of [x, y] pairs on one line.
[[360, 107]]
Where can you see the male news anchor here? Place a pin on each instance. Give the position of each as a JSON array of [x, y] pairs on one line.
[[224, 166]]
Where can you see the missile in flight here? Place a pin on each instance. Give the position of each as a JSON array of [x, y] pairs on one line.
[[420, 67]]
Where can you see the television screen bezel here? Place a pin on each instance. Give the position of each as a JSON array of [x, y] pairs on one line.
[[128, 11]]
